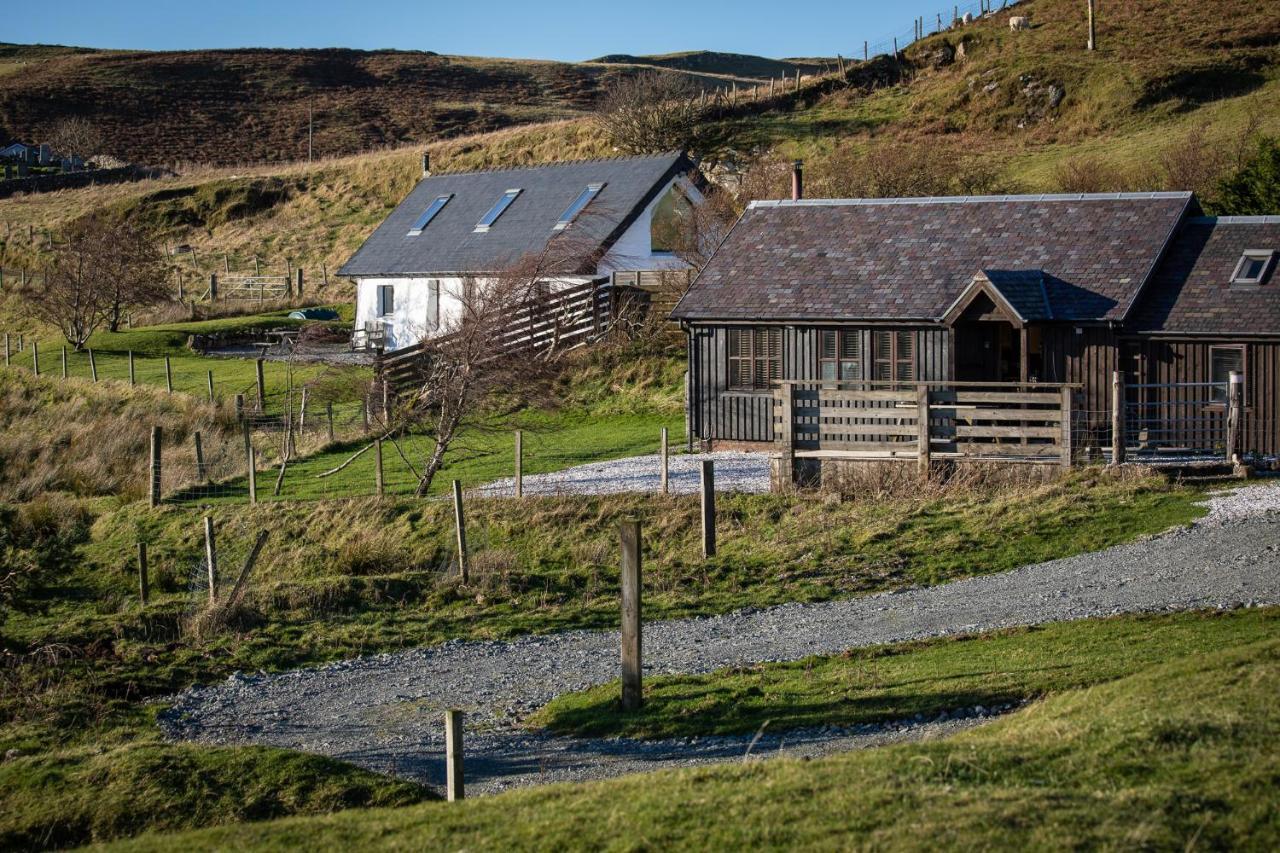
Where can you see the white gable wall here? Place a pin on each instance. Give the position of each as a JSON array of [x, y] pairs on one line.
[[634, 249]]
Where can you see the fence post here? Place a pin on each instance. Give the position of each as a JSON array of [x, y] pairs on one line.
[[1117, 418], [461, 524], [299, 271], [211, 399], [1235, 407], [663, 485], [519, 450], [64, 361], [924, 449], [788, 460], [377, 467], [211, 558], [7, 352], [328, 412], [1066, 427], [239, 404], [453, 754], [632, 695], [168, 375], [143, 589], [35, 358], [156, 439], [708, 508], [213, 285], [202, 473], [133, 378], [262, 391], [253, 475]]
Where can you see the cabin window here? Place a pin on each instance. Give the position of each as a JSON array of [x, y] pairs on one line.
[[571, 212], [839, 355], [670, 221], [386, 300], [755, 358], [497, 210], [1223, 361], [895, 356], [1253, 267], [429, 214]]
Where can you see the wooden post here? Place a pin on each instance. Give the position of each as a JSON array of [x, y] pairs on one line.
[[708, 508], [211, 398], [328, 412], [924, 450], [168, 375], [133, 378], [324, 273], [253, 475], [226, 263], [156, 438], [895, 47], [1092, 32], [1066, 427], [213, 286], [143, 588], [299, 272], [787, 434], [211, 558], [663, 471], [377, 467], [257, 268], [202, 473], [64, 361], [453, 754], [7, 350], [519, 449], [461, 524], [632, 695], [262, 389], [1235, 408], [239, 406], [35, 358], [1117, 418]]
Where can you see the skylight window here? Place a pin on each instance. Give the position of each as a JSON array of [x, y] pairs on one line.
[[498, 207], [1253, 267], [571, 212], [428, 215]]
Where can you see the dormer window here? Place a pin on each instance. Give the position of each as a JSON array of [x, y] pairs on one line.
[[429, 214], [571, 212], [1253, 267], [497, 210]]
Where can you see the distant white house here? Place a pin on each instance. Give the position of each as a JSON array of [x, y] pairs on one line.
[[455, 228]]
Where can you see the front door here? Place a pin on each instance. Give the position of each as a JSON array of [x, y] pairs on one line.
[[987, 351]]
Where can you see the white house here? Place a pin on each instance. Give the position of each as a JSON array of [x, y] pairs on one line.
[[455, 228]]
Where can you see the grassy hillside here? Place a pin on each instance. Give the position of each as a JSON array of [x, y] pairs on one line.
[[1115, 765]]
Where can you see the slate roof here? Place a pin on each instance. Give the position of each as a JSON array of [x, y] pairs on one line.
[[1191, 292], [909, 259], [449, 243]]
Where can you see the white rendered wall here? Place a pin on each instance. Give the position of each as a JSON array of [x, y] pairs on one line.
[[634, 249]]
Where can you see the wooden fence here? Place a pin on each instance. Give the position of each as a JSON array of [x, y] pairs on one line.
[[924, 421], [565, 320]]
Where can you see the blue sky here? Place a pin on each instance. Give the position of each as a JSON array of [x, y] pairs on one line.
[[566, 30]]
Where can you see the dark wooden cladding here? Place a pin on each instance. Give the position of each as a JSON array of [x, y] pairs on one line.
[[1190, 419], [718, 413]]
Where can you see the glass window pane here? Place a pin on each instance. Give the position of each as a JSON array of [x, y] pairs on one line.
[[584, 198], [828, 370], [498, 207], [429, 214], [850, 370]]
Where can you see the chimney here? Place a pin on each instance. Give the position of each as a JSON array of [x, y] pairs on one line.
[[426, 164], [797, 180]]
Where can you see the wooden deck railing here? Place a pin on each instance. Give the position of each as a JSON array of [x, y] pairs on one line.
[[924, 421]]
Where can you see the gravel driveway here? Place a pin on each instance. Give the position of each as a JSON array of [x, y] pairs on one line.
[[384, 712], [734, 472]]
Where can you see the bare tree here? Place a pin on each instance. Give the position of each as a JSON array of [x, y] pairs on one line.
[[98, 272], [75, 136], [655, 111]]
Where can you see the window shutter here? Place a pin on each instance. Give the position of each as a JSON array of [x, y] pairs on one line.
[[906, 357]]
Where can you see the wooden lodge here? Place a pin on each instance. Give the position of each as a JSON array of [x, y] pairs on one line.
[[1015, 328]]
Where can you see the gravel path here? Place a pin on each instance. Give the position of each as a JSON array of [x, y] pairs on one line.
[[384, 712], [735, 472]]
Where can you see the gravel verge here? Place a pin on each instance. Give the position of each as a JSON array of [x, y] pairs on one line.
[[384, 712], [734, 472]]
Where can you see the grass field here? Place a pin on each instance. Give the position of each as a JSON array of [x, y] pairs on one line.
[[894, 682], [1118, 764]]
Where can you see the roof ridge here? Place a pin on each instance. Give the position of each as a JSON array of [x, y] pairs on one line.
[[1269, 219], [968, 199], [674, 154]]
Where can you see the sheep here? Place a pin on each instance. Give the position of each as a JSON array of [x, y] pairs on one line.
[[1019, 22]]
